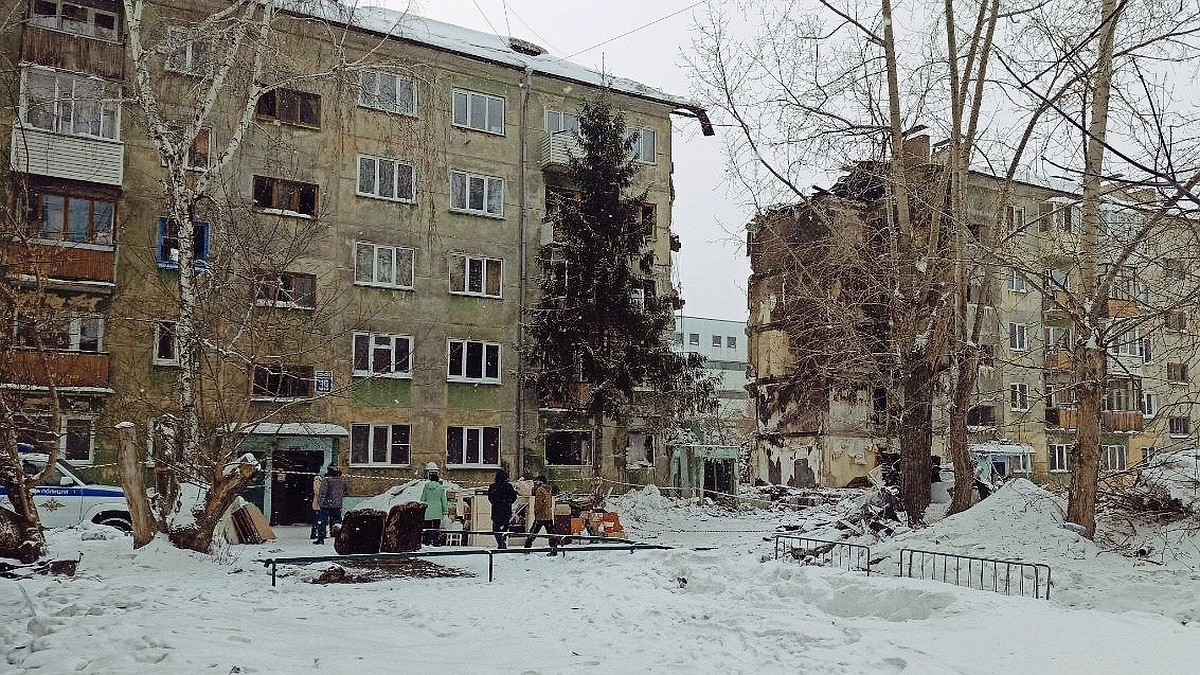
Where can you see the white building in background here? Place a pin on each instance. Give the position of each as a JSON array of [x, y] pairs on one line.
[[723, 344]]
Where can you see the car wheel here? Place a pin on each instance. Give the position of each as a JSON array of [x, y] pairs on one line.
[[118, 521]]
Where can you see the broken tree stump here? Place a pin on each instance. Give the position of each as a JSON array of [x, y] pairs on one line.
[[402, 529], [361, 532]]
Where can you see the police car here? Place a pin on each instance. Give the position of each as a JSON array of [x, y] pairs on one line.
[[63, 500]]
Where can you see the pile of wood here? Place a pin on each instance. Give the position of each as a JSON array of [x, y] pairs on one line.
[[247, 525]]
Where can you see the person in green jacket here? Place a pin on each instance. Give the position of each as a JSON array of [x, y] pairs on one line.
[[433, 496]]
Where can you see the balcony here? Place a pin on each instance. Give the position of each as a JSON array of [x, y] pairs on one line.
[[84, 158], [62, 262], [557, 149], [1055, 305], [1057, 360], [1119, 309], [76, 53], [1110, 420], [62, 369]]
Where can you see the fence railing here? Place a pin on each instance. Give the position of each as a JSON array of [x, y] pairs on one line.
[[811, 551], [1010, 577]]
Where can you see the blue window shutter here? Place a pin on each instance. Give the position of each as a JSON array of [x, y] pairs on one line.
[[201, 234]]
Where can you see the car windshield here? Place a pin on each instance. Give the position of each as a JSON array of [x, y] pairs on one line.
[[35, 465]]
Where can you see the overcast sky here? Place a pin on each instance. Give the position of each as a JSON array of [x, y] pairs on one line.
[[712, 267]]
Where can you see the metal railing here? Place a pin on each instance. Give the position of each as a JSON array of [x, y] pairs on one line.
[[369, 558], [811, 551], [1010, 577]]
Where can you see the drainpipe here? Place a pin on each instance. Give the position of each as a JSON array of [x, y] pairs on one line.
[[523, 136]]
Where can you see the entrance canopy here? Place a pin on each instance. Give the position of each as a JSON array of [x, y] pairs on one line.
[[290, 429], [1004, 448]]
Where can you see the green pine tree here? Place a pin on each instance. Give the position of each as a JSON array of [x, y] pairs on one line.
[[602, 321]]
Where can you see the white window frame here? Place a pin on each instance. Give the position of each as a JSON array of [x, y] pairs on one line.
[[477, 452], [381, 342], [1149, 404], [1179, 434], [1109, 453], [639, 149], [1018, 337], [108, 107], [195, 61], [392, 445], [1016, 224], [62, 439], [396, 252], [397, 183], [56, 22], [158, 360], [468, 277], [560, 127], [462, 376], [1018, 284], [461, 202], [1128, 343], [1018, 396], [1024, 464], [471, 99], [1060, 457], [375, 101]]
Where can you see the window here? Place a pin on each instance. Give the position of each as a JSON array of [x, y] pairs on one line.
[[282, 382], [730, 342], [71, 218], [479, 111], [1149, 403], [1126, 344], [1122, 394], [1018, 284], [1016, 219], [1057, 280], [1017, 338], [71, 104], [1173, 268], [568, 448], [387, 266], [481, 195], [385, 179], [637, 298], [1175, 320], [1058, 338], [987, 356], [1147, 350], [476, 276], [472, 361], [1059, 456], [1023, 464], [378, 355], [473, 446], [298, 108], [75, 18], [561, 123], [1018, 396], [639, 449], [287, 290], [642, 141], [679, 338], [694, 339], [716, 340], [1180, 426], [388, 91], [380, 444], [199, 156], [285, 196], [77, 440], [981, 416], [166, 345], [168, 243], [647, 220], [68, 332], [188, 56], [1177, 372]]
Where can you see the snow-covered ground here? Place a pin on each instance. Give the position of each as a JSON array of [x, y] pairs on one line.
[[725, 610]]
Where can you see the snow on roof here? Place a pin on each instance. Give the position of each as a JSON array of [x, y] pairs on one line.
[[289, 429], [484, 46], [1000, 448], [400, 495]]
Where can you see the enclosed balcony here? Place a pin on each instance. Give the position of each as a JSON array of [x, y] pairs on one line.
[[1110, 420], [34, 368], [63, 262], [558, 148]]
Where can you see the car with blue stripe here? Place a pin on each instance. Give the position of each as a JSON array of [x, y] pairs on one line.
[[64, 500]]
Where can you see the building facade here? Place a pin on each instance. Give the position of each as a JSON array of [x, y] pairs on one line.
[[369, 254], [827, 422], [723, 345]]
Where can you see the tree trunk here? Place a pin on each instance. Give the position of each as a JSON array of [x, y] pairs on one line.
[[25, 539], [916, 439], [959, 454], [130, 463], [1085, 463], [198, 536]]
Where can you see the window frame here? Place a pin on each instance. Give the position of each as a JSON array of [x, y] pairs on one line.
[[462, 375], [1059, 463], [464, 433], [278, 104], [107, 106], [35, 220], [396, 183], [371, 431], [487, 111], [365, 98], [1018, 284], [1149, 404], [93, 33], [488, 182], [261, 183], [64, 439], [396, 258], [1180, 374], [636, 139], [1018, 337], [192, 63], [393, 340], [164, 328], [731, 342], [269, 285], [485, 264], [1173, 432], [586, 458], [284, 372], [1018, 393], [201, 243]]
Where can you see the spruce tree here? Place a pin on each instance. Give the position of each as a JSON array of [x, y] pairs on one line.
[[602, 320]]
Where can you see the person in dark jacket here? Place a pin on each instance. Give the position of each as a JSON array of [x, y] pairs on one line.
[[333, 492], [502, 495]]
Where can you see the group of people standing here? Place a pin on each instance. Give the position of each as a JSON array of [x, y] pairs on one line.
[[329, 491], [503, 495]]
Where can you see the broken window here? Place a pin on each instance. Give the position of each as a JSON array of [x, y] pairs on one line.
[[289, 197], [639, 451], [166, 345], [287, 290], [283, 381], [568, 448], [298, 108]]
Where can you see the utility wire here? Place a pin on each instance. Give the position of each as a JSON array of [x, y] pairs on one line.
[[485, 17], [543, 40], [631, 32], [507, 27]]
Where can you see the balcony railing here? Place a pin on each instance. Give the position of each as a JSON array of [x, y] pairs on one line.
[[62, 369], [1110, 420], [557, 149], [74, 53], [66, 262], [84, 158], [1122, 308], [1056, 302], [1057, 360]]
